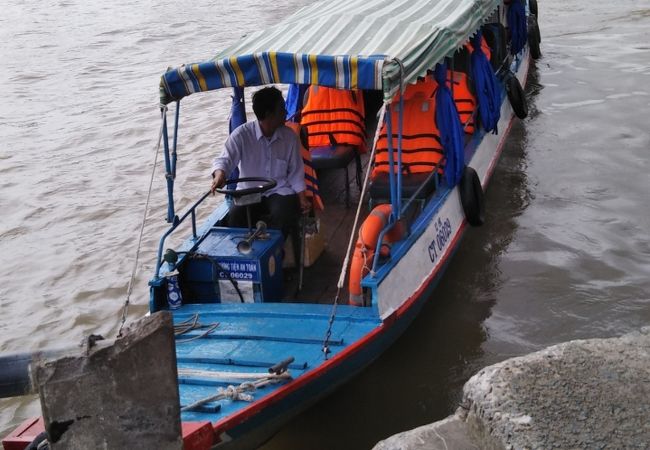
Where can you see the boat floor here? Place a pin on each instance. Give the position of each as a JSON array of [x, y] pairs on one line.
[[251, 337], [336, 221], [248, 339]]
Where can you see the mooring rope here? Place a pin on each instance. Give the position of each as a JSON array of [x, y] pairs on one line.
[[239, 392], [193, 324], [125, 309], [221, 374], [346, 260]]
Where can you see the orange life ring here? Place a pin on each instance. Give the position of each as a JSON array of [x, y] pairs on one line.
[[366, 246]]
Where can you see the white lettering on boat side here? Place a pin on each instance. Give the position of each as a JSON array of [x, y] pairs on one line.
[[443, 233]]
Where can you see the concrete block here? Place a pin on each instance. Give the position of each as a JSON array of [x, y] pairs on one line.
[[450, 433], [581, 394], [116, 397]]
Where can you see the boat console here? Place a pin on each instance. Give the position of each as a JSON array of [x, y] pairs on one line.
[[229, 267], [224, 264]]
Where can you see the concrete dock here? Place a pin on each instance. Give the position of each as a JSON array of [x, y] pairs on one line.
[[591, 394]]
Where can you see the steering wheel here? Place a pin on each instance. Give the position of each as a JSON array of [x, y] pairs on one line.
[[267, 183]]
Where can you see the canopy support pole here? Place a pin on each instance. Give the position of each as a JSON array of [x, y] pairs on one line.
[[397, 206], [168, 170], [391, 158], [174, 154], [395, 181]]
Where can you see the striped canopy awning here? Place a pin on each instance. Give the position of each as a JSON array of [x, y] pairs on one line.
[[346, 44]]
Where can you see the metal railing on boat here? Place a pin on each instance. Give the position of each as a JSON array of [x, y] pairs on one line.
[[436, 178], [177, 221]]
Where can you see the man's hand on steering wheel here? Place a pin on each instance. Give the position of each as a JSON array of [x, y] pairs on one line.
[[261, 185], [218, 180]]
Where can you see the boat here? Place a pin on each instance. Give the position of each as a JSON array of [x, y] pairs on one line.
[[253, 350]]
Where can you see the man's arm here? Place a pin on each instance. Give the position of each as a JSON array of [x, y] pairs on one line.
[[225, 163]]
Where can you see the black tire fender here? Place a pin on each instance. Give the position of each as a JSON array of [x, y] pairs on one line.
[[532, 6], [472, 197], [534, 38], [516, 95]]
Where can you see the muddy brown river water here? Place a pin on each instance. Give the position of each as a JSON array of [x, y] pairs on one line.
[[565, 252]]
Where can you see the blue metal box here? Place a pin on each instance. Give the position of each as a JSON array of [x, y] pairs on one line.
[[206, 277]]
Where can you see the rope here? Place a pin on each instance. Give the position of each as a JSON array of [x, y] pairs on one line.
[[238, 392], [125, 309], [186, 325], [232, 393], [210, 329], [346, 261], [221, 375], [193, 324], [364, 252]]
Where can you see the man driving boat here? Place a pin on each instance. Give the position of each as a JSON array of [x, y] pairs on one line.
[[266, 148]]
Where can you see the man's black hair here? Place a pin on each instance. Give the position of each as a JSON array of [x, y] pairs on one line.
[[265, 101]]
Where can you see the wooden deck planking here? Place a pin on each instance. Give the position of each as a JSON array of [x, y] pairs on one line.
[[252, 337]]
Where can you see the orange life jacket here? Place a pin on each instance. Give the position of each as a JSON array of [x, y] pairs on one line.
[[334, 117], [421, 146], [463, 96], [484, 46], [464, 99], [311, 180]]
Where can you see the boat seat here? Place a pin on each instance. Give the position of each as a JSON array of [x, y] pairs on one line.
[[380, 186], [335, 124], [336, 157]]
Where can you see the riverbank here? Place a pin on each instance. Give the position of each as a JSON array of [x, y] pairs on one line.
[[592, 393]]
